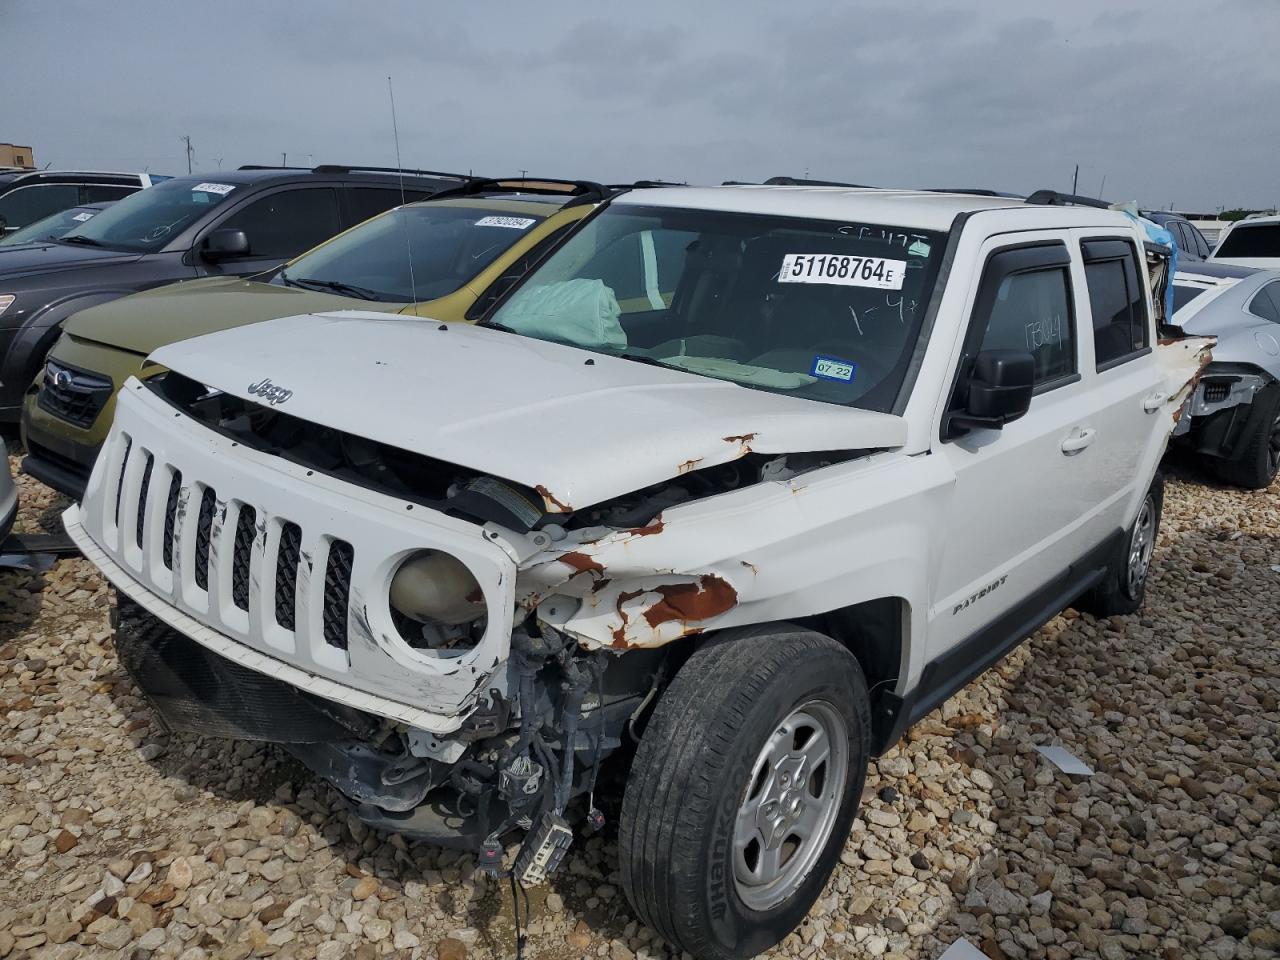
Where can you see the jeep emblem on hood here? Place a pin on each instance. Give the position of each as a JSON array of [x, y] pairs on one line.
[[270, 392]]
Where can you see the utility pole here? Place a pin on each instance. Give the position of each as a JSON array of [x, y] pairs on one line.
[[189, 152], [1075, 179], [284, 159]]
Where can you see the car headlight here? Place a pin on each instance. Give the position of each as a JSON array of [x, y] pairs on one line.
[[6, 301], [435, 587]]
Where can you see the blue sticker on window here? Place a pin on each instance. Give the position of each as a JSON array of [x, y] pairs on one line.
[[833, 368]]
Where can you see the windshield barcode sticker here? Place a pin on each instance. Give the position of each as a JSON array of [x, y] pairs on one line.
[[843, 270], [515, 223], [82, 217], [221, 189]]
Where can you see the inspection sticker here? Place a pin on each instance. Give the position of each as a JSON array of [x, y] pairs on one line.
[[515, 223], [221, 189], [82, 217], [843, 270], [833, 368]]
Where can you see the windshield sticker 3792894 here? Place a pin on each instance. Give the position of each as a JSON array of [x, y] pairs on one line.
[[843, 270], [514, 223]]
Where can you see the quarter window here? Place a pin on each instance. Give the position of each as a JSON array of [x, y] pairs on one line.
[[28, 204], [284, 224], [1032, 314], [1116, 300]]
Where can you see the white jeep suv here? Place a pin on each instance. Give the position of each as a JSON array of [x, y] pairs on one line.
[[756, 476]]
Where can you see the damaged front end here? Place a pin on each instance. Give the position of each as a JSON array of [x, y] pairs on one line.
[[441, 645]]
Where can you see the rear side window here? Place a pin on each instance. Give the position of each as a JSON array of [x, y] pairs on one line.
[[1262, 240], [1032, 313], [285, 224], [1266, 303], [366, 202], [1116, 300]]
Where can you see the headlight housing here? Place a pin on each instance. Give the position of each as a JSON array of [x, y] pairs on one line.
[[435, 587]]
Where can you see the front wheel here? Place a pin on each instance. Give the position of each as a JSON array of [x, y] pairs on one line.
[[743, 790]]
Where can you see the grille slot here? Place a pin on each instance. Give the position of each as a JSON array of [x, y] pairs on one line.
[[76, 396], [171, 517], [142, 497], [204, 530], [337, 593], [288, 557], [246, 527], [124, 465]]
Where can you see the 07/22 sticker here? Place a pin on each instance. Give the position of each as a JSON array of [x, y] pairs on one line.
[[833, 368], [843, 270]]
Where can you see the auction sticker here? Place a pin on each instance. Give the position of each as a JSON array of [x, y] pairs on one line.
[[221, 189], [833, 368], [515, 223], [843, 270], [82, 217]]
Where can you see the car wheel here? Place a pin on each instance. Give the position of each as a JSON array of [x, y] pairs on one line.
[[1257, 457], [743, 790], [1124, 585]]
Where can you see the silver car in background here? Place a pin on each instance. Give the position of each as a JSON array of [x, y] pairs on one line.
[[1233, 418]]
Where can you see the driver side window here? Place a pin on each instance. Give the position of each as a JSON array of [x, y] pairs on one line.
[[1031, 313], [284, 224]]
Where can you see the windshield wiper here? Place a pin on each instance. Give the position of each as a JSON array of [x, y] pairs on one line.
[[87, 241], [642, 358], [364, 293]]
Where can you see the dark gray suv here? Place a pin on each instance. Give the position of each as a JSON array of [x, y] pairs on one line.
[[235, 223]]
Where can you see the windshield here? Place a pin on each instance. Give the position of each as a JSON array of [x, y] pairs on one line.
[[147, 220], [51, 227], [820, 309], [450, 245], [1261, 241]]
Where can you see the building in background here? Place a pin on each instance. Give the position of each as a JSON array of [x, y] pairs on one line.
[[13, 155]]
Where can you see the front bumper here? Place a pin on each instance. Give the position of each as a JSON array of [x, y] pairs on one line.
[[8, 495], [142, 524]]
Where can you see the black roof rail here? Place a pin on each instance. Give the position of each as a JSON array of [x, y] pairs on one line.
[[647, 184], [360, 168], [1052, 198], [267, 166], [578, 192], [803, 182]]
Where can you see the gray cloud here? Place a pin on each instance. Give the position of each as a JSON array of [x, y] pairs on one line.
[[1161, 100]]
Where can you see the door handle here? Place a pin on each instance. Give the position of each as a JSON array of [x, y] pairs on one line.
[[1154, 402], [1078, 440]]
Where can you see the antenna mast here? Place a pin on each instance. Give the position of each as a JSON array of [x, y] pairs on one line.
[[408, 240]]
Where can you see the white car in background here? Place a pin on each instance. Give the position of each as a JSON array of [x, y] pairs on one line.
[[1251, 242]]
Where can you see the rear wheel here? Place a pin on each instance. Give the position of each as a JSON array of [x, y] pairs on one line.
[[743, 790], [1124, 585], [1257, 457]]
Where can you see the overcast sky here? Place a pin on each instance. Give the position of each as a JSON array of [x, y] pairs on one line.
[[1174, 102]]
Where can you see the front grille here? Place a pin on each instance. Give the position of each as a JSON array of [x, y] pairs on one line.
[[1215, 391], [242, 550], [287, 560], [124, 465], [76, 396], [337, 593], [204, 532]]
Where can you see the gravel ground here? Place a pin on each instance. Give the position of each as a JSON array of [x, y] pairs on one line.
[[119, 840]]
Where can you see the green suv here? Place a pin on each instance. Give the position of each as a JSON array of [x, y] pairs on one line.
[[447, 258]]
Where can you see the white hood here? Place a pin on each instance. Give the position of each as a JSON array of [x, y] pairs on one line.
[[579, 427]]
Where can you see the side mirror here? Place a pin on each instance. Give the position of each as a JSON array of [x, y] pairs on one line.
[[999, 389], [224, 245]]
